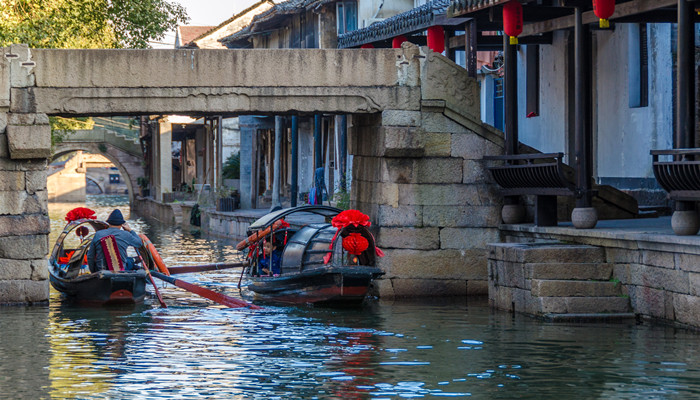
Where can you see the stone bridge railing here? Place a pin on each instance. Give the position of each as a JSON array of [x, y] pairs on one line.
[[131, 146]]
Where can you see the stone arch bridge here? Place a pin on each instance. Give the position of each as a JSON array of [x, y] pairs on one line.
[[416, 138], [126, 154]]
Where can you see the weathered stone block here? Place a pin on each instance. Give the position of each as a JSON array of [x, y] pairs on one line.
[[477, 288], [461, 216], [659, 278], [583, 305], [658, 259], [24, 247], [27, 119], [401, 118], [29, 141], [396, 170], [468, 238], [437, 122], [4, 84], [622, 272], [403, 142], [649, 302], [22, 225], [409, 238], [399, 216], [40, 271], [428, 287], [593, 271], [553, 253], [23, 291], [36, 203], [10, 180], [567, 288], [475, 172], [437, 170], [439, 195], [35, 181], [434, 264], [12, 202], [376, 193], [473, 147], [382, 288], [688, 262], [694, 280], [21, 66], [624, 256], [15, 269], [687, 309], [3, 121]]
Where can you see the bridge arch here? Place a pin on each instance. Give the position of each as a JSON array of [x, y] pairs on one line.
[[96, 182], [129, 166]]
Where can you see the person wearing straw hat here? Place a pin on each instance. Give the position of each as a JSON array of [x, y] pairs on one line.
[[124, 237]]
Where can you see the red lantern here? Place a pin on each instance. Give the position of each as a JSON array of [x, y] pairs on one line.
[[397, 41], [436, 38], [513, 20], [604, 9], [355, 243], [367, 46]]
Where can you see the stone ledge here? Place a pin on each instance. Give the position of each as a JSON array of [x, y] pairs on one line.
[[564, 288]]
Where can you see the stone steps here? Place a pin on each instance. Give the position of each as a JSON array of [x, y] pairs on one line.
[[555, 280]]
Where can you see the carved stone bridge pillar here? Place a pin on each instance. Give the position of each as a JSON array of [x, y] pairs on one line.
[[25, 145]]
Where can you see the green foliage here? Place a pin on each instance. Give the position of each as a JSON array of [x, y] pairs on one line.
[[62, 127], [342, 199], [87, 23], [142, 181], [102, 147], [232, 167]]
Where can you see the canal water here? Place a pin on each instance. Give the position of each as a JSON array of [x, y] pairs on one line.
[[382, 350]]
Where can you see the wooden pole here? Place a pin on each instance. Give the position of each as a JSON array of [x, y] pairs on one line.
[[318, 160], [343, 150], [511, 97], [470, 47], [295, 160], [277, 168], [582, 126]]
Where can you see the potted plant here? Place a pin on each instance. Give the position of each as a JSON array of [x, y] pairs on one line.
[[142, 181], [231, 171], [227, 199]]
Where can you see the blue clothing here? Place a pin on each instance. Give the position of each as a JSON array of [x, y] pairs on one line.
[[95, 256], [265, 263]]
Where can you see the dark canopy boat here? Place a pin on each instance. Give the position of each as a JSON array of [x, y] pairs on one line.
[[70, 275], [320, 262]]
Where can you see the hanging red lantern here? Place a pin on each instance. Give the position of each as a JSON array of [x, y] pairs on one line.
[[436, 38], [355, 243], [513, 20], [397, 41], [604, 9], [367, 46]]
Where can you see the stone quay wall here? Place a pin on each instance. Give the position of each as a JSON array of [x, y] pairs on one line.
[[25, 146], [660, 274]]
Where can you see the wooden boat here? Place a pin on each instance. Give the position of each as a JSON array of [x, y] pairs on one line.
[[70, 275], [314, 266]]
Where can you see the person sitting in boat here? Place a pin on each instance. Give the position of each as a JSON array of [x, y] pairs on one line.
[[270, 263], [124, 237]]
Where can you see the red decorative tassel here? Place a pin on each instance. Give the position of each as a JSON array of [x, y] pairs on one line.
[[80, 213]]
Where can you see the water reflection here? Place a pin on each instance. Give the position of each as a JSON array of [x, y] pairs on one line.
[[384, 350]]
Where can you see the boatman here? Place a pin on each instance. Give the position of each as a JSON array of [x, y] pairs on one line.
[[123, 236]]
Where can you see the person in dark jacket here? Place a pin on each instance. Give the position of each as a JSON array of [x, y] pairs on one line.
[[124, 236]]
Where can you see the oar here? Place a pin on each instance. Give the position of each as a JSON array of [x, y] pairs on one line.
[[153, 282], [186, 269], [204, 292]]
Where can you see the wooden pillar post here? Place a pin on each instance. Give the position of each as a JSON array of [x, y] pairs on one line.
[[343, 150], [295, 160], [277, 167], [685, 83], [584, 215], [318, 160], [511, 97], [470, 47]]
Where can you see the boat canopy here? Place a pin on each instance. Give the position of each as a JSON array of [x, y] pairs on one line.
[[96, 225], [269, 219]]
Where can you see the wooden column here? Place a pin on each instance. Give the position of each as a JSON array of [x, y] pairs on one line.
[[343, 150], [318, 160], [295, 160], [685, 83], [511, 96], [277, 166], [582, 125], [470, 47]]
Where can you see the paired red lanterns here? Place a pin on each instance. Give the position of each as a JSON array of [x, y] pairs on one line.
[[604, 9], [355, 243], [436, 39], [513, 20], [397, 41]]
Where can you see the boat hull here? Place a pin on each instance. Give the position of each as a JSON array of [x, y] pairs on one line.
[[103, 287], [343, 285]]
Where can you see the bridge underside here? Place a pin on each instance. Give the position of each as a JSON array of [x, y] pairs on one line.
[[417, 142]]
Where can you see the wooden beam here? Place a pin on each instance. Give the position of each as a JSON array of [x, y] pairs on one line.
[[621, 10]]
